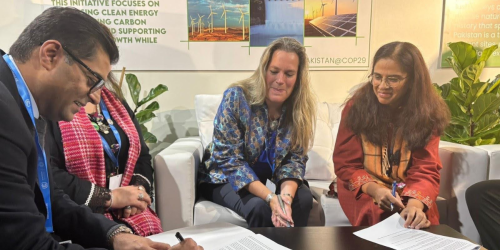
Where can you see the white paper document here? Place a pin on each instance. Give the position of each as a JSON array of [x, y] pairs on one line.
[[220, 236], [391, 233]]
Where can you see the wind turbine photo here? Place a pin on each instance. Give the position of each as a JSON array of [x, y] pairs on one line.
[[231, 26], [225, 17], [200, 23], [212, 17], [323, 8], [243, 23], [193, 23]]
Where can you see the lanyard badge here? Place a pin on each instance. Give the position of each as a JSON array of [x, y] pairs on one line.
[[43, 176]]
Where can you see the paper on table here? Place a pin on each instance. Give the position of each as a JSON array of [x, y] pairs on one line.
[[391, 233], [253, 242], [220, 235]]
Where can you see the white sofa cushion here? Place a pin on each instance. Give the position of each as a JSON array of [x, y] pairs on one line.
[[209, 212], [494, 160], [320, 164], [206, 108]]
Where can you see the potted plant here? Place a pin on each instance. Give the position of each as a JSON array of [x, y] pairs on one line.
[[474, 105], [146, 114]]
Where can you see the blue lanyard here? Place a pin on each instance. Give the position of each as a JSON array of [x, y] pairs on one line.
[[270, 151], [105, 144], [43, 175]]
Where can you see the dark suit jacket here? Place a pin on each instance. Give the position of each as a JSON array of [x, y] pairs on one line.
[[22, 209]]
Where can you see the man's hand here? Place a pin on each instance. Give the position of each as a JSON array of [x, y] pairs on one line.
[[125, 241], [187, 244]]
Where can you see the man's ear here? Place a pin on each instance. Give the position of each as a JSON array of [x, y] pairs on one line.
[[50, 54]]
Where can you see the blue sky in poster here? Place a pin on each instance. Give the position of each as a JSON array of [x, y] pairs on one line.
[[201, 7]]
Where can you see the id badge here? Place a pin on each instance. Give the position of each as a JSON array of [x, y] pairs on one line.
[[114, 181]]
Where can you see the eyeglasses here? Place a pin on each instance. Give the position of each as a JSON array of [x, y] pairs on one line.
[[99, 83], [391, 81]]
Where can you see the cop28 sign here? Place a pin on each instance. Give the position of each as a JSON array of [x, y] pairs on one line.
[[230, 34]]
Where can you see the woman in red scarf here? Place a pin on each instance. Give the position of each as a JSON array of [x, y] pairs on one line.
[[101, 160], [389, 133]]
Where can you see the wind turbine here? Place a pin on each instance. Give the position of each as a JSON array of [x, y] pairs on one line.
[[242, 17], [193, 23], [200, 24], [323, 8], [211, 16], [336, 5], [225, 17]]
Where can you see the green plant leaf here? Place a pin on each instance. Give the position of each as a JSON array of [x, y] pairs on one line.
[[462, 121], [438, 90], [464, 54], [153, 106], [149, 138], [494, 84], [143, 128], [457, 133], [470, 75], [487, 53], [144, 116], [459, 97], [454, 65], [464, 109], [454, 107], [134, 87], [480, 141], [445, 90], [486, 122], [475, 91], [457, 85], [494, 130], [153, 93], [482, 89], [485, 104]]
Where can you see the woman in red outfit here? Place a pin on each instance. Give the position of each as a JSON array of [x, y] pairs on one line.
[[390, 132]]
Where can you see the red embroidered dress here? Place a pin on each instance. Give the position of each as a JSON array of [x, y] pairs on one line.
[[421, 176]]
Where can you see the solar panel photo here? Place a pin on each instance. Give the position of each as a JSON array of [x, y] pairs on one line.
[[339, 25]]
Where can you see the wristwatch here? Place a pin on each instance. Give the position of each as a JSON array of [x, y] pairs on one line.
[[269, 197], [119, 230]]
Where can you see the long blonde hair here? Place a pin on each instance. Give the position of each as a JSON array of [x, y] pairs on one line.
[[300, 105]]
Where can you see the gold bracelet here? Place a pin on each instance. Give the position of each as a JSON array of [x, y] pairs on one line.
[[289, 195]]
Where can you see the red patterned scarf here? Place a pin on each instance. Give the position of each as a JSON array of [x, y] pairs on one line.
[[84, 156]]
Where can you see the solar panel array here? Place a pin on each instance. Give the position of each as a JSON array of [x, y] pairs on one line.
[[339, 25]]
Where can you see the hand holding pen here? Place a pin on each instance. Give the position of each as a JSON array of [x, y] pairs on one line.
[[394, 186], [282, 205], [281, 213], [383, 197], [185, 244]]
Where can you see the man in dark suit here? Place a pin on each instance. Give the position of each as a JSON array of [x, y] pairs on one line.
[[53, 69]]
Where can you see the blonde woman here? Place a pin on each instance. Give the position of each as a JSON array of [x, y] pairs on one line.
[[262, 130]]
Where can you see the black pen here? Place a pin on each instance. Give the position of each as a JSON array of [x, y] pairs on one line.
[[179, 237]]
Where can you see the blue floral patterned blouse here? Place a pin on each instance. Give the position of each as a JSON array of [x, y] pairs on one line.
[[239, 137]]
